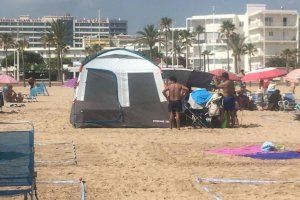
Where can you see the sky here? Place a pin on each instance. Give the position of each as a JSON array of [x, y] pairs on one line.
[[137, 12]]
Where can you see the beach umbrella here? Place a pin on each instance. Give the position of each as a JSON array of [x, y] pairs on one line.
[[219, 72], [264, 73], [293, 76], [72, 83], [6, 79], [189, 78]]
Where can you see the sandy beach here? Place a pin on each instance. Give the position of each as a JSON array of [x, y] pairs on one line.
[[157, 163]]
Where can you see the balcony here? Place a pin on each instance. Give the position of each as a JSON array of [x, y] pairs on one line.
[[258, 25], [261, 39]]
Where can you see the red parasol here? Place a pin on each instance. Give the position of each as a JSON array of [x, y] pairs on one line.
[[264, 73], [219, 72]]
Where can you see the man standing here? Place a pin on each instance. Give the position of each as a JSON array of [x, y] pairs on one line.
[[174, 92], [229, 98]]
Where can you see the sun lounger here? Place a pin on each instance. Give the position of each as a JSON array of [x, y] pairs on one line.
[[17, 175]]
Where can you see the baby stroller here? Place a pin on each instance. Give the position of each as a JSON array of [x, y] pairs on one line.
[[200, 109]]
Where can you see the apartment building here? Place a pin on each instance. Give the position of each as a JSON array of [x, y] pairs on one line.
[[211, 40], [77, 30], [271, 31]]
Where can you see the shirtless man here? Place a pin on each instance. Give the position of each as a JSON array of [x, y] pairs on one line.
[[175, 94], [229, 98]]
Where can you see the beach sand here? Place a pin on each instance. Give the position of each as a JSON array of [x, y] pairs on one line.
[[157, 163]]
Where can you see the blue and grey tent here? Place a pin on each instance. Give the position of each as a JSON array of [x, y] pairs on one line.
[[119, 88]]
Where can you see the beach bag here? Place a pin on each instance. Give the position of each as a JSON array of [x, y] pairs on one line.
[[214, 109], [268, 146]]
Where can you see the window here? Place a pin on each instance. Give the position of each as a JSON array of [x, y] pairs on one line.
[[241, 24], [284, 20], [271, 34], [268, 21]]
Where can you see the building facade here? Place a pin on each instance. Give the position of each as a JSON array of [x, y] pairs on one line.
[[271, 31], [77, 29]]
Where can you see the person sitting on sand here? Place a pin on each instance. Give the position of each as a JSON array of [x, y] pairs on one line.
[[11, 96], [175, 94], [244, 101], [273, 101], [229, 98]]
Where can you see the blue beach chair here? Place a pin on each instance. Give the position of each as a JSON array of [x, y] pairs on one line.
[[17, 175], [41, 89], [32, 95]]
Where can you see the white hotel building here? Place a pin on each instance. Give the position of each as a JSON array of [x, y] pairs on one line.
[[271, 31]]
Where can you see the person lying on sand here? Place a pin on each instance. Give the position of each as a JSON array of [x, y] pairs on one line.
[[175, 94]]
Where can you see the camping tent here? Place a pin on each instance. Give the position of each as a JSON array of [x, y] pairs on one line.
[[119, 88]]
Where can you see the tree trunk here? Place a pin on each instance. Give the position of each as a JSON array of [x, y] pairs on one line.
[[5, 61], [166, 50], [204, 63], [235, 64], [207, 63], [228, 61], [49, 65], [23, 63], [150, 52], [287, 64], [200, 64], [58, 65], [61, 67], [187, 57], [250, 67]]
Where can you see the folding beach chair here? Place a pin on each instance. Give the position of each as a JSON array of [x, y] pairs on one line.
[[258, 99], [17, 175], [41, 89], [32, 95], [1, 100], [289, 97]]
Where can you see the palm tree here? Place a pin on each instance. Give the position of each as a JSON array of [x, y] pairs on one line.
[[237, 44], [206, 55], [21, 45], [250, 49], [287, 54], [59, 30], [149, 35], [165, 24], [6, 42], [48, 41], [186, 39], [199, 30], [227, 29], [175, 43], [96, 48]]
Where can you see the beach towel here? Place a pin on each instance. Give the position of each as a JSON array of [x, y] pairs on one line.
[[239, 151], [201, 96], [275, 155]]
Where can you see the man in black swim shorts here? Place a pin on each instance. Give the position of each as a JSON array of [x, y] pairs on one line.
[[174, 92]]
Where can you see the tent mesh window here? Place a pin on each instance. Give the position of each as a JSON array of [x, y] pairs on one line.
[[142, 89], [101, 97]]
